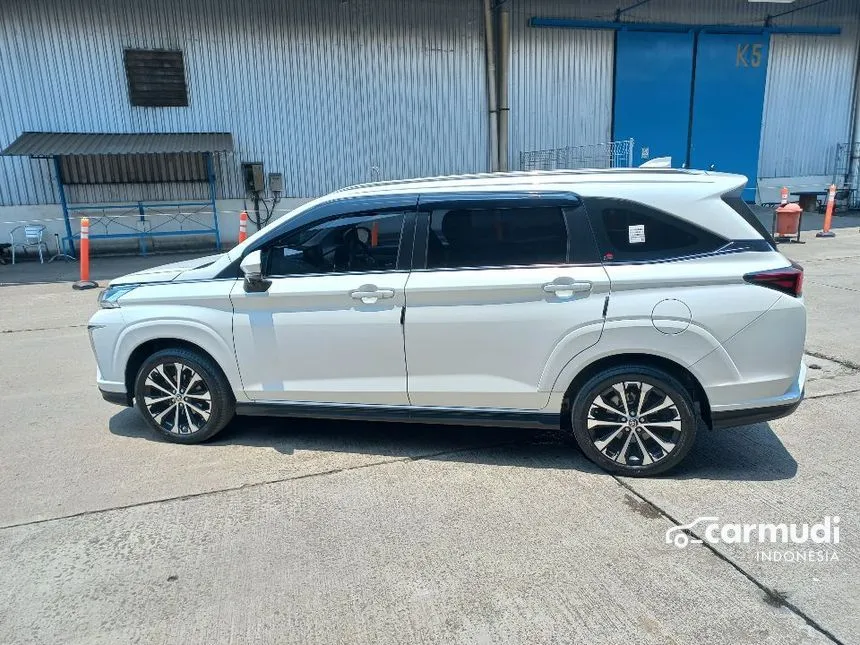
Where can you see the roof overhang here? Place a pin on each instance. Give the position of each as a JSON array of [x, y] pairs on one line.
[[52, 144]]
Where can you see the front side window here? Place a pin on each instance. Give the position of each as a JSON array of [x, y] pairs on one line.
[[355, 243], [630, 232], [496, 237]]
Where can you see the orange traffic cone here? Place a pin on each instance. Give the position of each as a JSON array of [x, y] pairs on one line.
[[828, 214], [243, 226], [85, 282]]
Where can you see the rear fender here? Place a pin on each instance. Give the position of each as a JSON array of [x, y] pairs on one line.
[[638, 336]]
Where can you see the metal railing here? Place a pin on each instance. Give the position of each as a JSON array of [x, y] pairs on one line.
[[147, 221], [613, 154], [845, 166]]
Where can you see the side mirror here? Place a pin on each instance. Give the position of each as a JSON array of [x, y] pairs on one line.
[[252, 267]]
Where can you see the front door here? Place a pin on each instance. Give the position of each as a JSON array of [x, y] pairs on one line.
[[509, 292], [328, 328]]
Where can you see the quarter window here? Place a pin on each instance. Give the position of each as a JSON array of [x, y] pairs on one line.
[[494, 237], [740, 207], [628, 231], [356, 243]]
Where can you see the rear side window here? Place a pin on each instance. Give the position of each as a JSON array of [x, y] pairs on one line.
[[632, 232], [496, 237]]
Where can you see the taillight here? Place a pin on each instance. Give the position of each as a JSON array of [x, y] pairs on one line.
[[788, 280]]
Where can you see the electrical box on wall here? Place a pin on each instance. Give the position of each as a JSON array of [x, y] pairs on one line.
[[276, 182], [252, 173]]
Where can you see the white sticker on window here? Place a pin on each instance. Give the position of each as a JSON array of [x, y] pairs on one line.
[[636, 234]]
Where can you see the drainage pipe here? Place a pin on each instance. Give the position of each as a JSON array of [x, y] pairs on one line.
[[504, 76], [491, 86]]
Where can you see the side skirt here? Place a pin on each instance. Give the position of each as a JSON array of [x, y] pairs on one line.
[[397, 413]]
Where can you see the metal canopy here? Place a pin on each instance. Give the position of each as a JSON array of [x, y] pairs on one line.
[[51, 144], [67, 145]]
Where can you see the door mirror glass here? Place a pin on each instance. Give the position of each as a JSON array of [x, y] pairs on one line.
[[252, 265]]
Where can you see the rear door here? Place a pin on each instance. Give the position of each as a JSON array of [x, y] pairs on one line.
[[504, 289]]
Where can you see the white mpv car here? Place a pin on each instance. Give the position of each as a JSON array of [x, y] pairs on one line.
[[625, 306]]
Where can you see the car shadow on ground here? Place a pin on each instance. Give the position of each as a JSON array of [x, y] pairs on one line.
[[750, 453]]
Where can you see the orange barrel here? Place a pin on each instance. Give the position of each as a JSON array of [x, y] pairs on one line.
[[788, 220]]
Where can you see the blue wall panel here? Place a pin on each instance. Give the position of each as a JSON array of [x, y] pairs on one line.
[[731, 70], [653, 75]]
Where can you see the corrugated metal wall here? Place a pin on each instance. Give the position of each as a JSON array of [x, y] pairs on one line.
[[325, 91], [333, 92], [561, 84], [808, 105]]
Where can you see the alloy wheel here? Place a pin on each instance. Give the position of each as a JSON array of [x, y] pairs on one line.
[[634, 423], [177, 398]]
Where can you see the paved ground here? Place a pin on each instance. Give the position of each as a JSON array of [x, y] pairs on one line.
[[350, 532]]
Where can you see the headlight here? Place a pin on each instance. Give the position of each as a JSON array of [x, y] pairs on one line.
[[108, 299]]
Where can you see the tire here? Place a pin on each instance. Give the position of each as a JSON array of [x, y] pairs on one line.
[[614, 440], [206, 404]]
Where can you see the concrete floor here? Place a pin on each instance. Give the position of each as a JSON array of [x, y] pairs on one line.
[[302, 531]]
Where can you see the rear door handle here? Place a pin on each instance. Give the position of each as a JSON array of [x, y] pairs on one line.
[[567, 289], [369, 294]]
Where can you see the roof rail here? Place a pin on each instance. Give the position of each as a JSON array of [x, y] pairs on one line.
[[523, 173]]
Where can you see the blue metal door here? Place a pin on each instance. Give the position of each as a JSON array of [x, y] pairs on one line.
[[653, 76], [727, 104]]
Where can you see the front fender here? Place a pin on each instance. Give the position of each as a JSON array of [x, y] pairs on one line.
[[218, 344]]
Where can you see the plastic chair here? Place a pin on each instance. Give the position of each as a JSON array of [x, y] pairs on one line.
[[32, 237]]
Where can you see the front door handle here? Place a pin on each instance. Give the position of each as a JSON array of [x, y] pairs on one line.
[[369, 294], [567, 288]]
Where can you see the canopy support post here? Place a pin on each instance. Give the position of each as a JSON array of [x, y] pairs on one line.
[[70, 240], [210, 173]]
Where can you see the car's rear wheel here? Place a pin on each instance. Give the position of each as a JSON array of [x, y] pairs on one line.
[[634, 420], [183, 395]]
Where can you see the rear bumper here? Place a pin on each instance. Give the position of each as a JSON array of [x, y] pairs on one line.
[[764, 410], [117, 398], [734, 418]]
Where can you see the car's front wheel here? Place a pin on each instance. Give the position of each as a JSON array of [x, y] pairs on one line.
[[634, 420], [183, 395]]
